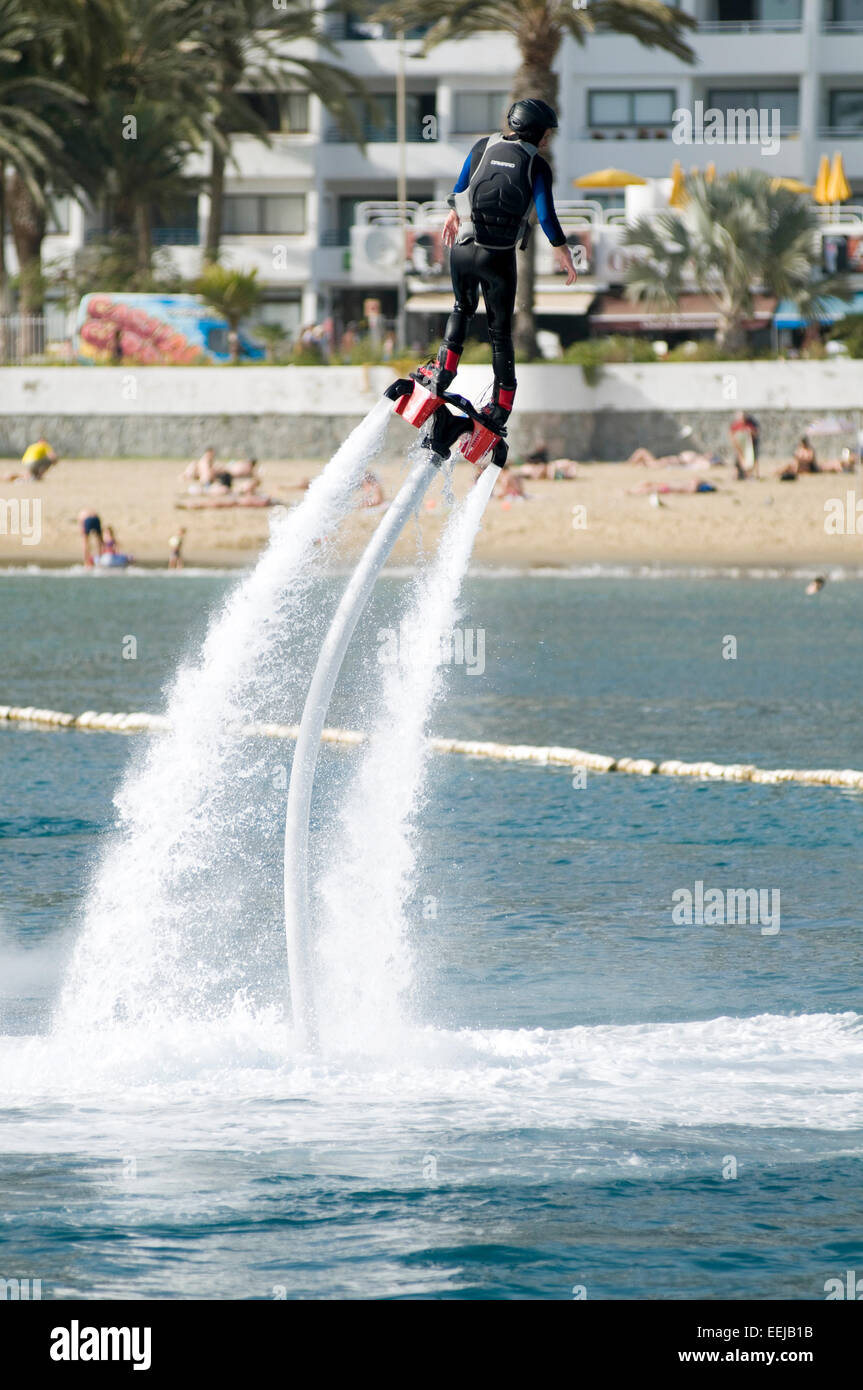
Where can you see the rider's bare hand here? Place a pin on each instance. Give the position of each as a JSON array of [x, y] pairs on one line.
[[563, 256], [450, 229]]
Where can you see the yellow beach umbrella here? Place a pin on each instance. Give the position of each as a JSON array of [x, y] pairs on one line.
[[837, 184], [677, 196], [792, 185], [608, 178], [820, 191], [710, 172]]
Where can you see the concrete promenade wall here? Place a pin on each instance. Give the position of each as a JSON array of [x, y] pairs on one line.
[[305, 412]]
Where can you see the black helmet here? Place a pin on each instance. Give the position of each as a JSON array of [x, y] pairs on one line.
[[530, 119]]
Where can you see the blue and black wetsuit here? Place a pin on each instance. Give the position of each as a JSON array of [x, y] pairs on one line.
[[476, 268]]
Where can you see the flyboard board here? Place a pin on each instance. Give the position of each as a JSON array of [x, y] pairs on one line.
[[467, 429]]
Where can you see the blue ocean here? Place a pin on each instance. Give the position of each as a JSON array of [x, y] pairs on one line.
[[534, 1082]]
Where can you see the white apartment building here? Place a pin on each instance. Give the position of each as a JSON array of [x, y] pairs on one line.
[[290, 206]]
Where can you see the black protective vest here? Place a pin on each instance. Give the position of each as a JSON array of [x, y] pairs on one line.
[[495, 207]]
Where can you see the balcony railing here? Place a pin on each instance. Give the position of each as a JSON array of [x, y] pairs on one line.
[[652, 130], [750, 26], [161, 236], [840, 132], [842, 26], [341, 27], [848, 212], [385, 134], [176, 236]]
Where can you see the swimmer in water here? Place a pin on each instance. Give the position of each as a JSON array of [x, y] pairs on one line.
[[816, 585]]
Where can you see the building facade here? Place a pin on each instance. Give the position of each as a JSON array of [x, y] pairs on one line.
[[292, 207]]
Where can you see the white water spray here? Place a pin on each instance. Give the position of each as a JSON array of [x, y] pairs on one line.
[[179, 909], [366, 966]]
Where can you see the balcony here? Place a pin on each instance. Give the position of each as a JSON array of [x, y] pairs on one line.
[[372, 134], [648, 132], [750, 48], [750, 26], [176, 236], [342, 27]]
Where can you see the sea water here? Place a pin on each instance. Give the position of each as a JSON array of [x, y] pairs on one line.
[[581, 1093]]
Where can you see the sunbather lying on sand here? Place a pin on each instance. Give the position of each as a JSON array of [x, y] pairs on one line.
[[687, 458], [555, 470], [691, 485], [227, 499]]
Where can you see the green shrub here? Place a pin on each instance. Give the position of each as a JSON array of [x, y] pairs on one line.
[[476, 353], [591, 354], [850, 332]]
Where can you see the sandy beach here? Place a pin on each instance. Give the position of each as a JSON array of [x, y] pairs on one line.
[[589, 521]]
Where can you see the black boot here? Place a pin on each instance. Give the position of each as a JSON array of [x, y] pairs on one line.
[[498, 411], [439, 374]]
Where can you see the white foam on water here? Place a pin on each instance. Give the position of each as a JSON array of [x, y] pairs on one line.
[[176, 921], [366, 966], [229, 1083]]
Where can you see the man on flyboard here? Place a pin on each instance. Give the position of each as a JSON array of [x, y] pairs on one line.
[[502, 179]]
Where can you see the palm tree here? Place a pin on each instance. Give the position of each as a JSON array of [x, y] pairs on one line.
[[58, 65], [28, 142], [239, 56], [233, 294], [539, 28], [144, 174], [732, 234]]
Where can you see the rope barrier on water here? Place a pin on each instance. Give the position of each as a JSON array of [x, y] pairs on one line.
[[572, 758]]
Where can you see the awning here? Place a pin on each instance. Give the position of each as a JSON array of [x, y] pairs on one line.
[[694, 311], [788, 315], [545, 302]]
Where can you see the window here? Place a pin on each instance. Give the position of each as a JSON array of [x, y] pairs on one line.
[[57, 221], [759, 99], [382, 129], [176, 225], [295, 112], [476, 113], [846, 109], [651, 107], [251, 214], [285, 312], [847, 12], [287, 112]]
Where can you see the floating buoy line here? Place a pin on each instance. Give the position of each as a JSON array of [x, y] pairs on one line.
[[572, 758]]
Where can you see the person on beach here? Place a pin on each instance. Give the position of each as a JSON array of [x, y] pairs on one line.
[[691, 485], [175, 559], [502, 179], [37, 460], [372, 493], [803, 461], [687, 458], [112, 557], [846, 463], [538, 465], [91, 532], [805, 458], [201, 473], [745, 436]]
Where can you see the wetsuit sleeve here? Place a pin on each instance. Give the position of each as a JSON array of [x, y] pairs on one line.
[[544, 200], [467, 168]]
